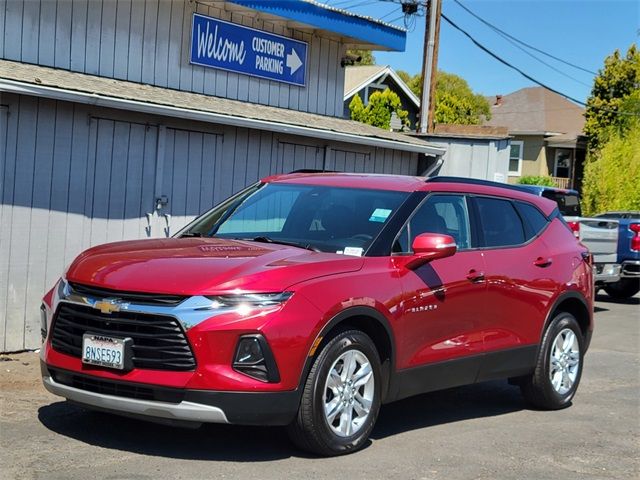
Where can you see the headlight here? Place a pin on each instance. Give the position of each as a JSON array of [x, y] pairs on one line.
[[249, 299]]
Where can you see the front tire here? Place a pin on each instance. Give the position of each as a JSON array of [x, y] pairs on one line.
[[623, 289], [558, 367], [341, 397]]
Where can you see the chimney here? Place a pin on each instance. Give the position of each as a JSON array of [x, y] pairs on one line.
[[498, 100]]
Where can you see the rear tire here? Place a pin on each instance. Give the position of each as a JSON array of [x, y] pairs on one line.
[[558, 367], [341, 397], [623, 289]]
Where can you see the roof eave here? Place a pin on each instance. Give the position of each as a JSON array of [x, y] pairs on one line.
[[24, 88], [373, 34]]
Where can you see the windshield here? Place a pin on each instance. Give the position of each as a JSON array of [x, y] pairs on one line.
[[328, 219], [568, 203]]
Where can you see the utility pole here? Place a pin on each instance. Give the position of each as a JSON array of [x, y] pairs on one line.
[[430, 65]]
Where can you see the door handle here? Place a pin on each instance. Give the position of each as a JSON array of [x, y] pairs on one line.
[[542, 262], [475, 276]]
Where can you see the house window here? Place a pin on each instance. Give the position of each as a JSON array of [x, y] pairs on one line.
[[562, 164], [515, 157]]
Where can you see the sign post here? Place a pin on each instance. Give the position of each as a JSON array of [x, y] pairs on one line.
[[236, 48]]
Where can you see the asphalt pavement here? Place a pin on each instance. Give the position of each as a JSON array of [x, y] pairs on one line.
[[482, 431]]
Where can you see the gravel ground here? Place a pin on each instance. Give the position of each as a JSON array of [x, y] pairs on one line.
[[483, 431]]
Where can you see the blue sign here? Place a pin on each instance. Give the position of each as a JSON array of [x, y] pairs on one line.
[[219, 44]]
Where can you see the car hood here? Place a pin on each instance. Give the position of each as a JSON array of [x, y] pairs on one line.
[[198, 266]]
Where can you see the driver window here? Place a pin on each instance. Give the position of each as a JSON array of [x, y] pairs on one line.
[[445, 214]]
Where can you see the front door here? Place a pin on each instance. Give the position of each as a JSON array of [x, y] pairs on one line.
[[443, 299]]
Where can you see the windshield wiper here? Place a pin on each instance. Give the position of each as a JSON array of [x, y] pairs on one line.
[[264, 239]]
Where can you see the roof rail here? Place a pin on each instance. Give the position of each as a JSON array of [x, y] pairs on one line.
[[473, 181], [311, 170]]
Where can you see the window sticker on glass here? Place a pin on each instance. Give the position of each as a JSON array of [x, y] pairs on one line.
[[355, 251], [380, 215]]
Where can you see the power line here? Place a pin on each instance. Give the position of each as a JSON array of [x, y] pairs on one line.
[[526, 75], [505, 34]]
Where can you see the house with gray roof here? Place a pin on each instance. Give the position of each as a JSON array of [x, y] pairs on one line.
[[546, 133]]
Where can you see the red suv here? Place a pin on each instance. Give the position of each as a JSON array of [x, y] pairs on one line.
[[310, 299]]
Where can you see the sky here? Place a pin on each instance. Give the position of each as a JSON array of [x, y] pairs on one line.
[[582, 32]]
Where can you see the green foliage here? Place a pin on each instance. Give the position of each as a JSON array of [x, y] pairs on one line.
[[545, 181], [367, 57], [414, 82], [615, 89], [612, 175], [455, 101], [379, 109]]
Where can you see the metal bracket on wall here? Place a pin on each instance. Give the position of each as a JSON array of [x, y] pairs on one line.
[[147, 229], [167, 229]]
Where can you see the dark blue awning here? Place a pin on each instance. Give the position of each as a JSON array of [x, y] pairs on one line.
[[377, 34]]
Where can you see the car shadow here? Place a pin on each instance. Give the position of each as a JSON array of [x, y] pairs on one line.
[[263, 444], [480, 400], [209, 442], [626, 301]]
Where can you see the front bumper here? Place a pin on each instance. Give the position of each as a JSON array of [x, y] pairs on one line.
[[630, 269], [181, 405], [606, 272]]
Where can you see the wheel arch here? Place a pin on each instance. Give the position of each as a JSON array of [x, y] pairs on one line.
[[371, 322], [575, 304]]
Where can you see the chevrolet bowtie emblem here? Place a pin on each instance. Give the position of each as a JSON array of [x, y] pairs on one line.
[[108, 305]]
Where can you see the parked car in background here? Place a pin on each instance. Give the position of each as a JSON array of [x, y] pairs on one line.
[[309, 300], [627, 253]]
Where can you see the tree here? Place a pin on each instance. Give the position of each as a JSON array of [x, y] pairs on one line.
[[612, 175], [379, 109], [612, 169], [366, 57], [414, 82], [616, 89], [455, 101]]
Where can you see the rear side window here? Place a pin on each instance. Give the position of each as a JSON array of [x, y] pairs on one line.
[[568, 203], [534, 220], [501, 224]]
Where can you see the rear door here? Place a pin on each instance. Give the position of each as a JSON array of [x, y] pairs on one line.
[[519, 285]]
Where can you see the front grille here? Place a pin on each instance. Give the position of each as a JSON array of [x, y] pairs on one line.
[[159, 342], [118, 389], [631, 269], [132, 297]]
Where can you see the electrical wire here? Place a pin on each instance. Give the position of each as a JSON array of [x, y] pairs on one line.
[[526, 75], [507, 35]]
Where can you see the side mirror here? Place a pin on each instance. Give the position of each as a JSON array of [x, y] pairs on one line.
[[431, 246]]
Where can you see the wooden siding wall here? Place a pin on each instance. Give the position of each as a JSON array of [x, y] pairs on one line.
[[147, 41], [73, 176], [476, 158]]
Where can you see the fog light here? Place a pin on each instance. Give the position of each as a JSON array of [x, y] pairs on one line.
[[254, 358]]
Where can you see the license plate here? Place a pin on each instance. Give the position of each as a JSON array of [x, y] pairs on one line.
[[103, 351]]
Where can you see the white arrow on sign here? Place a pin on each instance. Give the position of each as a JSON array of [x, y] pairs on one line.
[[293, 61]]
